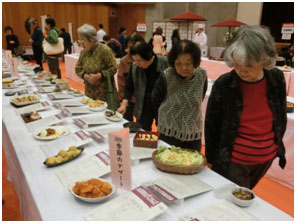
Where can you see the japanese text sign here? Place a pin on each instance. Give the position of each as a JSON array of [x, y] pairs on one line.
[[119, 151]]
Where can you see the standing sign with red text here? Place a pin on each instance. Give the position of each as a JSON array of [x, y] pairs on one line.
[[8, 56], [119, 151], [13, 68]]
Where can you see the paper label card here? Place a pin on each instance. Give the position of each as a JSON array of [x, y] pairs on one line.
[[91, 167], [31, 108], [221, 210], [96, 135], [90, 120], [173, 188], [51, 120], [119, 150], [136, 205], [77, 139]]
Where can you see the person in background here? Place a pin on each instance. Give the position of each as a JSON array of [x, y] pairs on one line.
[[12, 41], [114, 45], [67, 41], [286, 53], [95, 61], [246, 113], [200, 38], [52, 37], [151, 40], [36, 40], [121, 39], [142, 76], [101, 33], [175, 37], [123, 70], [180, 110], [158, 43]]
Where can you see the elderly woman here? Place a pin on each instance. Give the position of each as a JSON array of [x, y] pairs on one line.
[[140, 82], [179, 94], [95, 61], [246, 112]]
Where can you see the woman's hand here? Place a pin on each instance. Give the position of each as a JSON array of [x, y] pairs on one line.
[[11, 42], [123, 105], [94, 79]]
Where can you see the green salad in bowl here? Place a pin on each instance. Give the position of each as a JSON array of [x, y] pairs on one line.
[[178, 156]]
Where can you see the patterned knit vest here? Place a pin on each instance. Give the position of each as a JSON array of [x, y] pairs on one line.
[[180, 116]]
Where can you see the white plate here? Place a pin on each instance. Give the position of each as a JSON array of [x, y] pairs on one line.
[[25, 103], [114, 119], [96, 109], [63, 130], [93, 200]]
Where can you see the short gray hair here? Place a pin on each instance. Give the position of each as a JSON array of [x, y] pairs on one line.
[[88, 31], [33, 20], [251, 45]]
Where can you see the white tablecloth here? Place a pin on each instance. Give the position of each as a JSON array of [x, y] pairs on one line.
[[43, 197], [283, 176]]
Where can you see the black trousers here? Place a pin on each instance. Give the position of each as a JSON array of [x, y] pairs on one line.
[[38, 53], [149, 113], [129, 111], [53, 64], [67, 48], [247, 175], [194, 144]]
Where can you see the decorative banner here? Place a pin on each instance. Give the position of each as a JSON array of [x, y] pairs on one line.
[[119, 150]]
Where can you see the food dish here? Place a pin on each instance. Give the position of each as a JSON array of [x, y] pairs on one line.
[[86, 100], [113, 116], [97, 105], [286, 68], [242, 196], [146, 139], [51, 132], [63, 156], [290, 107], [25, 100], [7, 80], [30, 117], [93, 191], [177, 160], [9, 86]]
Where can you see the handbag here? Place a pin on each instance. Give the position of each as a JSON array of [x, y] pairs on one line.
[[112, 99], [19, 50], [53, 48]]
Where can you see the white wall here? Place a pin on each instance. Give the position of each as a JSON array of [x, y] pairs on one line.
[[249, 12]]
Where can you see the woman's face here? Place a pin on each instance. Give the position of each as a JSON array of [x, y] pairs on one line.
[[87, 45], [8, 32], [143, 64], [184, 65], [250, 73], [47, 26]]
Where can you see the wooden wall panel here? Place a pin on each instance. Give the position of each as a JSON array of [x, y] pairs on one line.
[[14, 14], [130, 15]]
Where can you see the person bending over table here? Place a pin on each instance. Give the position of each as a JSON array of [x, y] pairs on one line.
[[142, 76], [179, 93], [94, 62], [123, 70], [246, 113]]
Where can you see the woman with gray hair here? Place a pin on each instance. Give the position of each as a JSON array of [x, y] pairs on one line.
[[94, 63], [246, 112]]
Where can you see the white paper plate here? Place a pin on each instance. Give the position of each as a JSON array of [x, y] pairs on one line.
[[96, 109], [62, 130], [114, 119], [25, 103], [93, 200]]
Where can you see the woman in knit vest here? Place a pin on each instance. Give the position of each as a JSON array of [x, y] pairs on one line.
[[246, 112], [179, 93]]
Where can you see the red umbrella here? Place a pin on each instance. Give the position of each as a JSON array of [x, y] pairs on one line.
[[188, 16], [229, 23]]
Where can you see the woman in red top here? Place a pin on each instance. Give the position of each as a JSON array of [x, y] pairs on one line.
[[246, 112]]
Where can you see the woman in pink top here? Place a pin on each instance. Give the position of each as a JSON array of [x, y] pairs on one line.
[[158, 44]]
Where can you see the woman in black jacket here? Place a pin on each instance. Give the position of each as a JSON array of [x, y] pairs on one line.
[[246, 112], [11, 39], [175, 37]]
